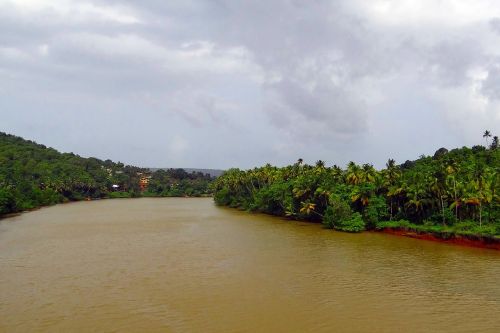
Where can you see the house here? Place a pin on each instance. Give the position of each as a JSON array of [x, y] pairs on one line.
[[144, 181]]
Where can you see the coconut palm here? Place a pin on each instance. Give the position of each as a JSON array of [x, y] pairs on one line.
[[494, 143], [437, 186], [353, 174], [308, 208], [486, 135]]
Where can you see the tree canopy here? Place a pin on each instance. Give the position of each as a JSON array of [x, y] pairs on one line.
[[455, 190], [32, 175]]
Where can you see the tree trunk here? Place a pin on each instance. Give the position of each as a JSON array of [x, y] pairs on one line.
[[456, 203], [442, 208], [480, 217], [391, 209]]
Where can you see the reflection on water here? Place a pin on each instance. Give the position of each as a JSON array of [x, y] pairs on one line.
[[184, 265]]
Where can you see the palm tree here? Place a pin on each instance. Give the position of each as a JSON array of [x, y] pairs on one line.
[[396, 191], [486, 135], [479, 189], [437, 186], [493, 180], [416, 200], [307, 208], [337, 173], [391, 174], [494, 143], [361, 194], [453, 186], [353, 175], [368, 173]]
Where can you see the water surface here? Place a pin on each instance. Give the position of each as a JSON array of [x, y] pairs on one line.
[[184, 265]]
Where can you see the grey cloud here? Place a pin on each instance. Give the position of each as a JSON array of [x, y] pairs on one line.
[[272, 76], [324, 109], [449, 61], [495, 24], [491, 86]]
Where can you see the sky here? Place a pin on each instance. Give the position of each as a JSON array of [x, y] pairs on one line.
[[227, 83]]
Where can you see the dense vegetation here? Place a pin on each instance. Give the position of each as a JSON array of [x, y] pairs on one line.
[[32, 175], [178, 183], [455, 192]]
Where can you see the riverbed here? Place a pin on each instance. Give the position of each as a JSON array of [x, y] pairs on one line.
[[185, 265]]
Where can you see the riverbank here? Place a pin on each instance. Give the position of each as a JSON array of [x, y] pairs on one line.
[[460, 234], [484, 242], [127, 196]]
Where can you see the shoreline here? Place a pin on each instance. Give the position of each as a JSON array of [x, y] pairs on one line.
[[8, 215], [471, 240], [468, 240], [477, 241]]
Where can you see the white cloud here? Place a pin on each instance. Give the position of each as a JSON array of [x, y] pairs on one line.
[[43, 50], [13, 54], [73, 11], [178, 144], [429, 12], [192, 56]]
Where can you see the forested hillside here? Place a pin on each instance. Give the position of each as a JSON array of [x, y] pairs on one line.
[[32, 175], [453, 191]]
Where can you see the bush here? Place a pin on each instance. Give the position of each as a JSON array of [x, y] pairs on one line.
[[395, 224], [7, 202], [222, 197], [375, 210], [269, 199], [337, 211], [339, 216], [354, 224], [471, 227], [116, 195]]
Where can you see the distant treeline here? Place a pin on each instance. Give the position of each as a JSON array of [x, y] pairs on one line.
[[33, 175], [455, 192]]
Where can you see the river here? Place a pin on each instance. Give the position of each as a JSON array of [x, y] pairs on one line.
[[185, 265]]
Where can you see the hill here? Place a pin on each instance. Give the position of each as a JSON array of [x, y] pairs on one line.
[[211, 172], [33, 175]]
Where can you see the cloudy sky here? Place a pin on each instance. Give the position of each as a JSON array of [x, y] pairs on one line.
[[228, 83]]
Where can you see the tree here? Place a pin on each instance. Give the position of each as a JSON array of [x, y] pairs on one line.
[[391, 175], [353, 174], [486, 135], [458, 185], [494, 143], [438, 187]]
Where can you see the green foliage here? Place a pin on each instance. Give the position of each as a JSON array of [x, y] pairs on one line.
[[353, 224], [118, 195], [337, 211], [464, 228], [7, 201], [340, 216], [222, 197], [375, 210], [431, 193], [178, 183], [32, 175], [399, 224]]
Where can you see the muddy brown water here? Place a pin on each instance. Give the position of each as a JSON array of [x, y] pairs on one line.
[[185, 265]]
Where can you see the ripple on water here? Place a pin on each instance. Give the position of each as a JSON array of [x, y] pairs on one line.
[[184, 265]]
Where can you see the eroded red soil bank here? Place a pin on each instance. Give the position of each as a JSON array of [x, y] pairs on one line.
[[472, 240]]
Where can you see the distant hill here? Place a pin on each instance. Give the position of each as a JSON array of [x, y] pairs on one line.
[[211, 172], [33, 175]]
